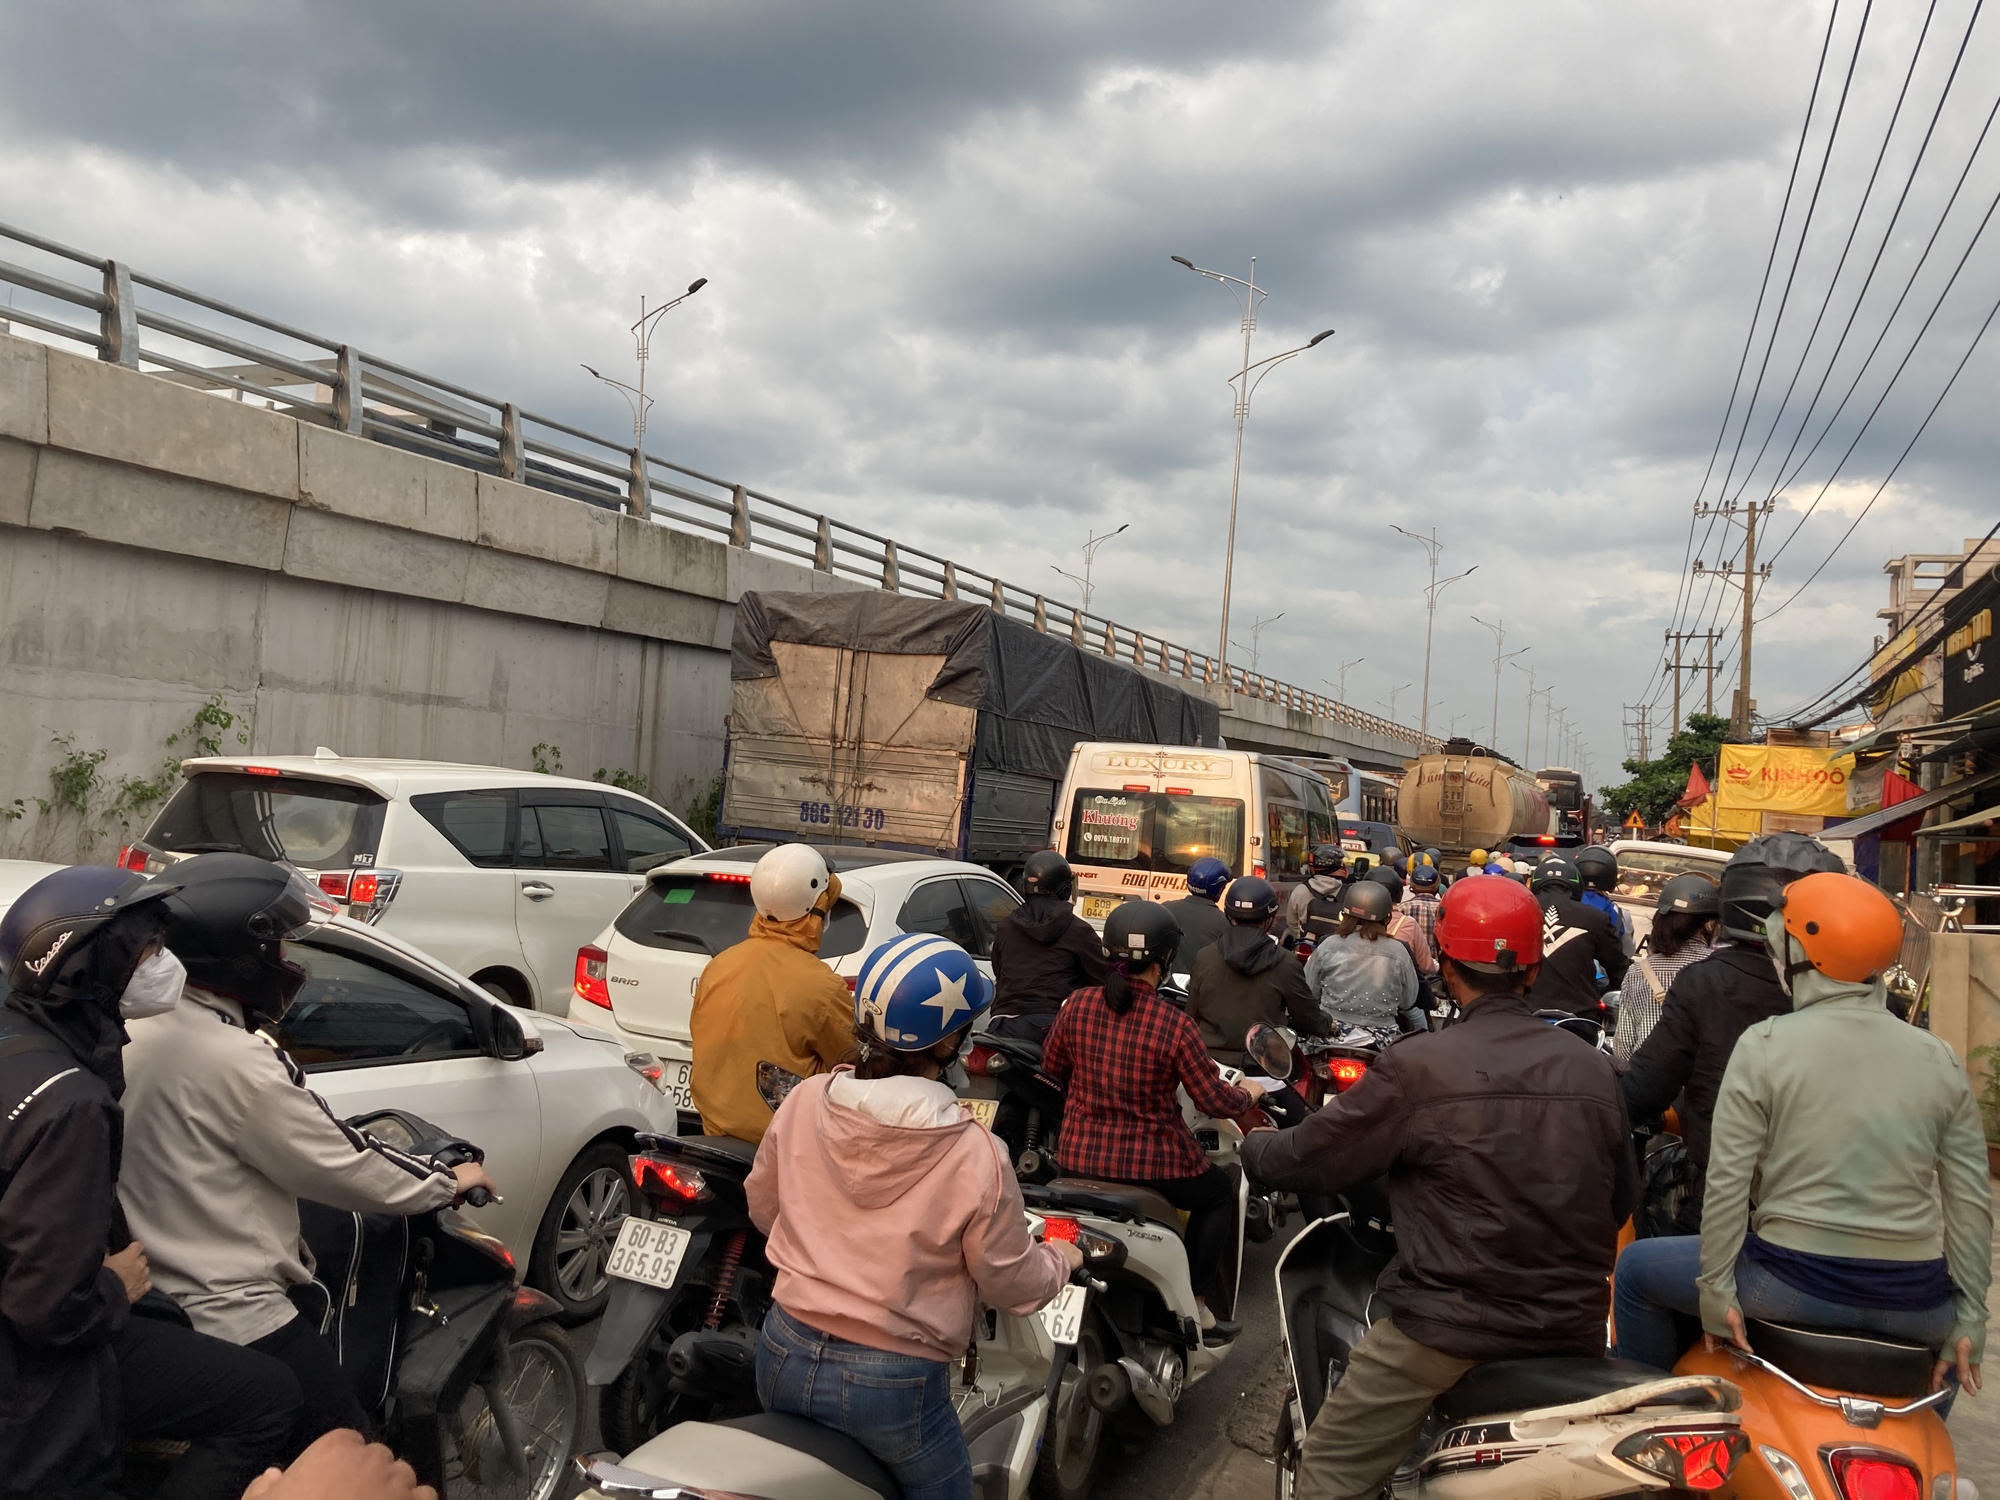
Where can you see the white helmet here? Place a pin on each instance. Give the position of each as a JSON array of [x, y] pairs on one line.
[[787, 882]]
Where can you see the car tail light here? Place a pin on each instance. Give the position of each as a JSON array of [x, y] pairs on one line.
[[731, 879], [1697, 1458], [1344, 1072], [1873, 1474], [1180, 791], [665, 1182], [334, 883], [1137, 786], [366, 892], [263, 771], [984, 1062], [1257, 869], [132, 858], [648, 1067], [1546, 838], [852, 981], [593, 984], [1061, 1229]]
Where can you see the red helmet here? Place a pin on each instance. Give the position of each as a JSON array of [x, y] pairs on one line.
[[1490, 923]]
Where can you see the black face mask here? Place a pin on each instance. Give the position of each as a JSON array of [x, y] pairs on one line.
[[81, 1004]]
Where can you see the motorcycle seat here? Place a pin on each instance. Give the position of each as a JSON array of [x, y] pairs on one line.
[[836, 1450], [717, 1150], [1862, 1364], [1122, 1197], [1509, 1385]]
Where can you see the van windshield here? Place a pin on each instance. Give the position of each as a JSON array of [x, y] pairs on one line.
[[1154, 830]]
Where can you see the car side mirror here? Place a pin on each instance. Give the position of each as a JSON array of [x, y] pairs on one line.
[[514, 1036]]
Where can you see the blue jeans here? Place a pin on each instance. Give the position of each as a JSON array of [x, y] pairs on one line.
[[897, 1406], [1656, 1279]]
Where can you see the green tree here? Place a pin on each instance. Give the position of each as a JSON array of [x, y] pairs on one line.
[[1657, 784]]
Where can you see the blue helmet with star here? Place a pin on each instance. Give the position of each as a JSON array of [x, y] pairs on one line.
[[915, 990]]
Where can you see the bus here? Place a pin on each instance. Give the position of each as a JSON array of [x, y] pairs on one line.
[[1363, 801]]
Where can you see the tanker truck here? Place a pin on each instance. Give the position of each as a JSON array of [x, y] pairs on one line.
[[1465, 797]]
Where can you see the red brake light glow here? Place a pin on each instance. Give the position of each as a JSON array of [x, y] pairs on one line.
[[1693, 1458], [132, 858], [334, 883], [732, 879], [1180, 791], [663, 1180], [1137, 786], [1061, 1229], [1871, 1474], [1345, 1072], [592, 985], [979, 1060], [364, 888], [262, 771], [1546, 838]]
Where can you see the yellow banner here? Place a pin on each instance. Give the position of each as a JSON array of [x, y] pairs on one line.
[[1909, 680], [1784, 778]]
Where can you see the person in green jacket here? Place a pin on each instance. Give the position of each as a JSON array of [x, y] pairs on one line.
[[1858, 1136]]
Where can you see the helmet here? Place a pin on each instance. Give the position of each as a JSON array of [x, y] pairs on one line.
[[1692, 894], [1491, 925], [1423, 874], [1840, 925], [1207, 876], [1598, 866], [63, 938], [789, 881], [1386, 876], [1477, 858], [1249, 901], [1047, 873], [1556, 871], [1327, 858], [1399, 861], [228, 924], [917, 989], [1142, 932], [1367, 900], [1759, 870]]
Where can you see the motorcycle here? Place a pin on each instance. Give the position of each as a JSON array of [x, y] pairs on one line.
[[1020, 1397], [690, 1287], [1562, 1428], [466, 1373], [1334, 1064], [1007, 1089]]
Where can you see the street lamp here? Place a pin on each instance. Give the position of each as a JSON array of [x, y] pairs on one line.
[[1528, 735], [1340, 692], [1256, 645], [1249, 298], [635, 396], [1499, 639], [1433, 547], [1391, 704], [1089, 556]]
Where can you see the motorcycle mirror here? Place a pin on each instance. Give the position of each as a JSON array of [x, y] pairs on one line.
[[1270, 1047], [774, 1083]]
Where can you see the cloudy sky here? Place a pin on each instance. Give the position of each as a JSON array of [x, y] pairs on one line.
[[941, 303]]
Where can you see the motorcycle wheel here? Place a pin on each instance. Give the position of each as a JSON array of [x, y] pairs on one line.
[[543, 1395], [642, 1402], [1067, 1468]]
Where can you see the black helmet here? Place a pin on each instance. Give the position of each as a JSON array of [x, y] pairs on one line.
[[1140, 933], [1249, 902], [1387, 876], [1047, 873], [1368, 900], [1327, 858], [228, 923], [1598, 866], [1556, 871], [78, 934], [1759, 870], [1692, 894]]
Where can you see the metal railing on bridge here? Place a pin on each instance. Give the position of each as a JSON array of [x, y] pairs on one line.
[[198, 341]]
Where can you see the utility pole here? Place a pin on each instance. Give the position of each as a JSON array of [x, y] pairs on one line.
[[1747, 578], [1675, 639], [1636, 715], [1499, 629], [1432, 546]]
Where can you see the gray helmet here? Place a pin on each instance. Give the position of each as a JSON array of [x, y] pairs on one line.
[[1368, 900], [1047, 873], [1692, 895], [1762, 868], [1598, 866], [1556, 871], [1140, 933]]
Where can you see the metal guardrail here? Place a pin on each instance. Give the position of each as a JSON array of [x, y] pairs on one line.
[[178, 334]]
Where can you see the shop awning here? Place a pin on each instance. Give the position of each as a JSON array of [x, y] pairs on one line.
[[1874, 822], [1965, 828]]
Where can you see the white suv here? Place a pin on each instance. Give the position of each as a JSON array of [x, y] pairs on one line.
[[498, 874], [638, 978]]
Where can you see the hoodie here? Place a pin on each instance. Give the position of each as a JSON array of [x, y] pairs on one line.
[[1043, 953], [892, 1214], [1242, 980], [1859, 1138], [1317, 897]]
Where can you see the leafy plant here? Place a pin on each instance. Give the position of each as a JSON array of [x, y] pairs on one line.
[[625, 781], [705, 811], [73, 779], [547, 759], [1989, 1091], [1657, 784]]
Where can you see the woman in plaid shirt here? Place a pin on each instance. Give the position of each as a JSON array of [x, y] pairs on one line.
[[1120, 1050]]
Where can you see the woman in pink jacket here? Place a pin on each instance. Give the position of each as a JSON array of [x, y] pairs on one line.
[[892, 1214]]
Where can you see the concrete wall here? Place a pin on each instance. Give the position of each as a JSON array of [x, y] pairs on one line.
[[160, 547]]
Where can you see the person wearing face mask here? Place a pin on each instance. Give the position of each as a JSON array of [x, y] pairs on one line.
[[89, 1353], [223, 1137]]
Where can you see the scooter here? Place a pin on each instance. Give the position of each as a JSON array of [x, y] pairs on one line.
[[467, 1374], [1020, 1398], [690, 1287], [1564, 1429], [1007, 1089]]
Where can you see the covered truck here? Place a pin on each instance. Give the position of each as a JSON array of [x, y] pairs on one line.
[[1465, 797], [933, 726]]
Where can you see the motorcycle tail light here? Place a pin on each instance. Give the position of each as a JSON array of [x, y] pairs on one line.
[[1344, 1072], [666, 1182], [984, 1062], [1699, 1458], [1873, 1474], [1061, 1229]]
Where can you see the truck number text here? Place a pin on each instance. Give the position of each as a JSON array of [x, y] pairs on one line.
[[823, 814]]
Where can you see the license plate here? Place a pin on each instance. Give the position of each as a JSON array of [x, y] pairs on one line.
[[674, 1084], [1063, 1318], [1097, 908], [648, 1251], [983, 1110]]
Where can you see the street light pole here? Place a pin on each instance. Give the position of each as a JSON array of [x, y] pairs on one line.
[[1340, 691], [1499, 630], [1432, 546], [1391, 704], [1528, 722], [641, 497], [1089, 550], [1249, 297], [1256, 641]]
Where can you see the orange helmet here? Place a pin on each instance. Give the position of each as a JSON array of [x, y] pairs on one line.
[[1844, 927]]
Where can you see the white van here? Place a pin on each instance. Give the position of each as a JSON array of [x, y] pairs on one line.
[[1132, 818]]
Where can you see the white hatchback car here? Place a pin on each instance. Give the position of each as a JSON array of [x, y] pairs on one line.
[[500, 874], [555, 1107], [1644, 866], [638, 979]]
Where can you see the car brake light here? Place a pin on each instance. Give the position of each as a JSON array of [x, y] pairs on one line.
[[1180, 791], [648, 1067], [1547, 838], [132, 858], [1691, 1458], [732, 879], [664, 1181], [263, 771], [364, 888], [335, 882], [593, 985], [1872, 1474], [1137, 786], [1061, 1229], [1257, 869]]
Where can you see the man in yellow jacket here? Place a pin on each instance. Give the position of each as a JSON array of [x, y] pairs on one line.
[[769, 999]]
